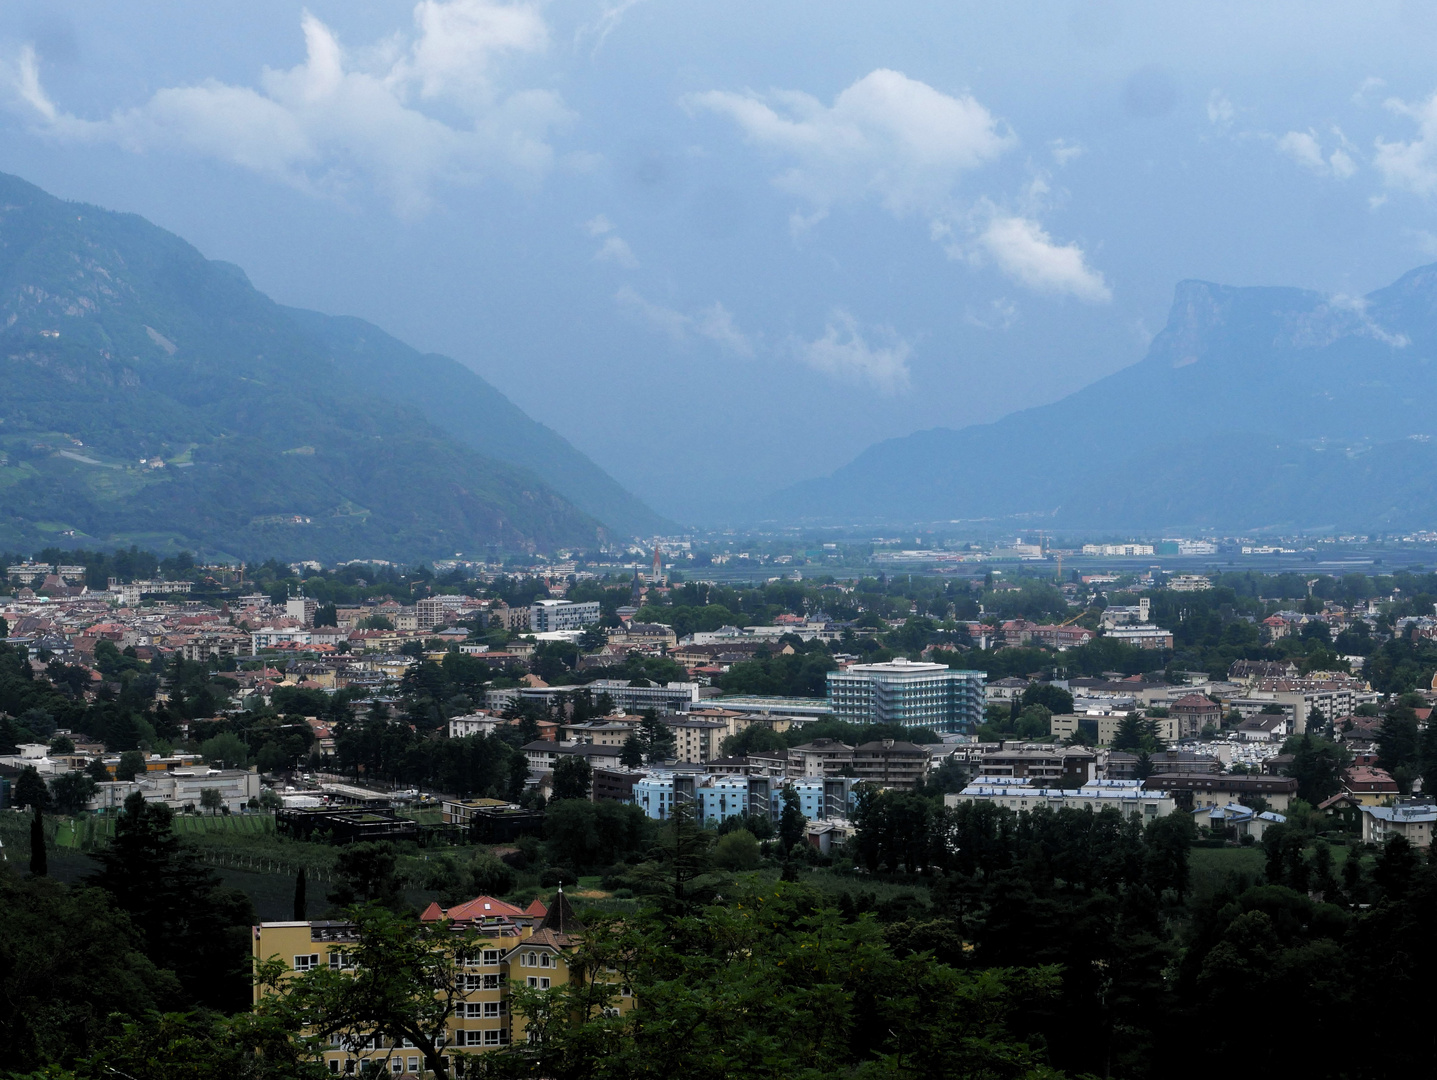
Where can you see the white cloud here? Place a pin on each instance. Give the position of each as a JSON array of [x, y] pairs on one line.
[[342, 119], [607, 22], [714, 323], [1000, 314], [1064, 151], [1027, 254], [1219, 109], [901, 142], [886, 136], [1303, 147], [615, 248], [1370, 85], [717, 324], [1411, 166], [846, 354]]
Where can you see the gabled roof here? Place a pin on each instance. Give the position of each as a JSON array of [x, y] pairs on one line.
[[481, 907]]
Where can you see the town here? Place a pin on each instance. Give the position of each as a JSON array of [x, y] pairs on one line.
[[468, 742]]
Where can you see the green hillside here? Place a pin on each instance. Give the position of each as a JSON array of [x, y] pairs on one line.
[[120, 344], [459, 402]]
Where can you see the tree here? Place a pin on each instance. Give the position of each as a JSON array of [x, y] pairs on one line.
[[573, 777], [73, 967], [191, 925], [737, 850], [69, 792], [211, 799], [98, 771], [30, 789], [39, 864], [301, 900], [132, 764], [792, 825], [62, 744], [1054, 698], [1317, 765], [1397, 739], [632, 754], [403, 983], [226, 751], [368, 874], [658, 739]]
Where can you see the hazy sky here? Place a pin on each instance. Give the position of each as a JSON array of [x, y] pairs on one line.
[[723, 246]]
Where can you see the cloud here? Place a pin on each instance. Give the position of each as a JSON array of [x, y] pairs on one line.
[[1064, 151], [1370, 85], [615, 248], [714, 322], [607, 22], [886, 136], [343, 119], [846, 354], [1219, 109], [1411, 166], [1000, 314], [901, 142], [1303, 148], [1027, 254]]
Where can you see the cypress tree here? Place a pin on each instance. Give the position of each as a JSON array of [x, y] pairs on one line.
[[300, 900], [39, 864]]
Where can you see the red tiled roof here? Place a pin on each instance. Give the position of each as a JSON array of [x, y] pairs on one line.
[[537, 907]]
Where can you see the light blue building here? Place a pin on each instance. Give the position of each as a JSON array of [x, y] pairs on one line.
[[716, 798]]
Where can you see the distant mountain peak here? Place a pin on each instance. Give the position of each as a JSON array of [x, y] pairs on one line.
[[1230, 421]]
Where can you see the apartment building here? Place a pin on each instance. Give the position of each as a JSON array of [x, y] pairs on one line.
[[1129, 797], [910, 693], [496, 946], [547, 616], [891, 764]]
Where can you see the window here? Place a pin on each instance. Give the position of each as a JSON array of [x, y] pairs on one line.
[[491, 982], [531, 959], [396, 1065], [491, 956], [341, 961], [414, 1064], [610, 1011], [334, 1065], [306, 963], [626, 991], [495, 1037], [543, 984], [533, 982], [473, 1010]]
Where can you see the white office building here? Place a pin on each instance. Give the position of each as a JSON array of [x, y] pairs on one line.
[[909, 693], [546, 616]]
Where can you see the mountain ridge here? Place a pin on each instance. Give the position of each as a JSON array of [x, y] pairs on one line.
[[1255, 408], [154, 396]]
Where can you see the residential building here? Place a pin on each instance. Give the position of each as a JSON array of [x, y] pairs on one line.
[[1193, 712], [1410, 819], [821, 757], [1237, 821], [1143, 635], [1070, 763], [479, 723], [890, 764], [1370, 786], [547, 616], [696, 741], [1129, 797], [1004, 691], [1198, 789], [530, 947], [913, 694]]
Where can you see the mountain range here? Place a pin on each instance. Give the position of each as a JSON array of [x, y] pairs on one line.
[[1255, 409], [150, 395]]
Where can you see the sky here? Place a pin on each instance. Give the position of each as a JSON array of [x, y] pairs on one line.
[[725, 246]]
